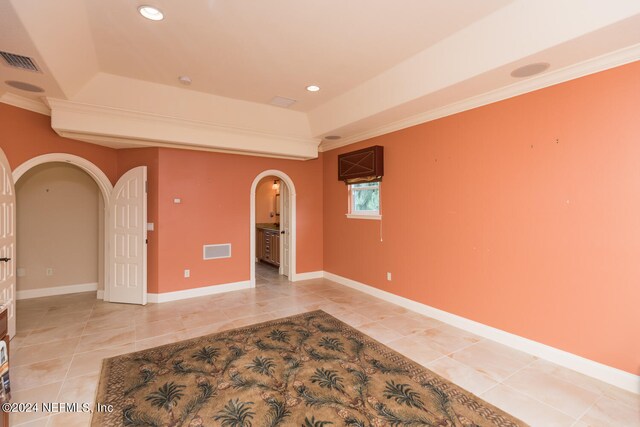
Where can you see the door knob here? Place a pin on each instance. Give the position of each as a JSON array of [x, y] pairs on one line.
[[282, 232], [5, 259]]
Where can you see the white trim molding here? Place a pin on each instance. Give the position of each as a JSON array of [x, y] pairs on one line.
[[116, 126], [292, 223], [25, 103], [608, 374], [585, 68], [361, 216], [56, 290], [94, 171], [309, 275], [197, 292]]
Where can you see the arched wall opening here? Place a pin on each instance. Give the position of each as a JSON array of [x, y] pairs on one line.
[[292, 222], [105, 188]]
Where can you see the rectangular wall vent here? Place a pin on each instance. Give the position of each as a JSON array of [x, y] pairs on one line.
[[281, 101], [19, 61], [216, 251]]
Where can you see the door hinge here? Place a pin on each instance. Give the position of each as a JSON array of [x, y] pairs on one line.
[[146, 241]]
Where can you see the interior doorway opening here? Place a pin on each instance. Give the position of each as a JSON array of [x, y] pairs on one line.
[[273, 236], [60, 232]]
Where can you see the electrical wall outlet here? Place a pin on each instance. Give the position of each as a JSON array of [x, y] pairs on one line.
[[49, 271], [21, 272], [187, 273], [388, 276]]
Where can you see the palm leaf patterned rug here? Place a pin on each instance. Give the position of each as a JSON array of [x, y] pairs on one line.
[[308, 370]]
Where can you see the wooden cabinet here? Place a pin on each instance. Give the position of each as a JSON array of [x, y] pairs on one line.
[[268, 246], [259, 244]]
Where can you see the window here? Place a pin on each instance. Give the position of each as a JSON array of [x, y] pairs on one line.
[[364, 200]]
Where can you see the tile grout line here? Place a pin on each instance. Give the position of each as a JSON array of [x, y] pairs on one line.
[[588, 409], [66, 375], [541, 402]]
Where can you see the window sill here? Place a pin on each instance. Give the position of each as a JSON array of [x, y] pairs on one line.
[[359, 216]]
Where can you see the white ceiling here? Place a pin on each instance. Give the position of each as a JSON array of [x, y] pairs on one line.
[[110, 76]]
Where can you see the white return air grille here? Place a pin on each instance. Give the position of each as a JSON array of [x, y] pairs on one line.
[[216, 251]]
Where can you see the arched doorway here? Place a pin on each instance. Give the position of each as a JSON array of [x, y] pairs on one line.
[[290, 232], [125, 226], [104, 185]]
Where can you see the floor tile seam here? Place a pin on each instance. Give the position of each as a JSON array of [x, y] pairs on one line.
[[26, 336], [621, 402], [66, 375], [545, 403], [154, 337], [499, 380], [599, 392], [588, 409], [471, 368], [104, 348], [48, 342], [540, 401], [30, 421], [517, 371], [463, 347], [19, 390]]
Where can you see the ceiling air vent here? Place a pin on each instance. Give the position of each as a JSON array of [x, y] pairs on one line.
[[19, 61], [281, 101]]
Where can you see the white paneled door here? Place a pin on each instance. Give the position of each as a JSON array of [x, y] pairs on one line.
[[128, 234], [285, 236], [7, 243]]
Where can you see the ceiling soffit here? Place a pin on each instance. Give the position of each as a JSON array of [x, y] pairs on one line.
[[467, 68]]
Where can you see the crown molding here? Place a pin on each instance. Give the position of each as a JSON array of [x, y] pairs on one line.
[[117, 127], [591, 66], [25, 103]]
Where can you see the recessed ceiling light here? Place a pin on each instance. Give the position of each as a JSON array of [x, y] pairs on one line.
[[313, 88], [530, 69], [332, 137], [24, 86], [151, 12], [185, 80]]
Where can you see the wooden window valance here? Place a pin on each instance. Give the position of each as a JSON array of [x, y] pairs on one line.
[[366, 165]]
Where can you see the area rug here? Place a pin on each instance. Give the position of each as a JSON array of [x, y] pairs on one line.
[[308, 370]]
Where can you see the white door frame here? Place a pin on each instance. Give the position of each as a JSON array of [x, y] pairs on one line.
[[104, 184], [292, 223]]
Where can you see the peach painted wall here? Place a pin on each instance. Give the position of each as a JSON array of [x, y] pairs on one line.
[[523, 215], [24, 135], [265, 199], [215, 191]]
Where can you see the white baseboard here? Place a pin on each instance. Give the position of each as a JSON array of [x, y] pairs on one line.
[[197, 292], [309, 275], [56, 290], [608, 374]]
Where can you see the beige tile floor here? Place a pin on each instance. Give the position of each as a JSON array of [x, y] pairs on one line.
[[56, 354]]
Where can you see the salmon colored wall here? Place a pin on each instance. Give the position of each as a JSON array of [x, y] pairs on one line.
[[127, 160], [214, 189], [24, 135], [265, 199], [523, 215]]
